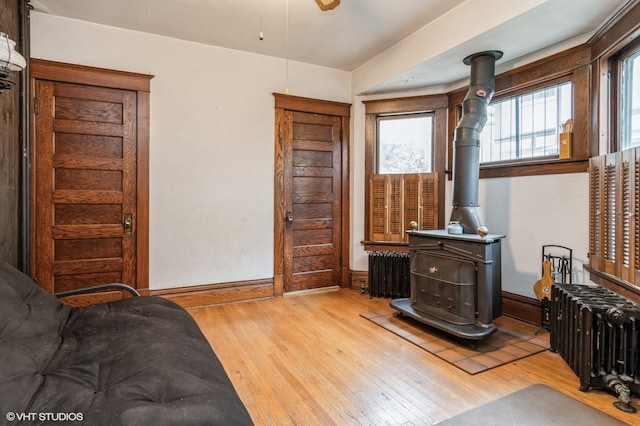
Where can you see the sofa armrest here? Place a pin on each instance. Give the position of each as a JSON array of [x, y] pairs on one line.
[[97, 288]]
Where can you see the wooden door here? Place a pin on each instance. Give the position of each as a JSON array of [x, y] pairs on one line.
[[311, 205], [85, 195], [313, 199]]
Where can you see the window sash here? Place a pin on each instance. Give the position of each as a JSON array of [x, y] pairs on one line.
[[629, 101], [526, 125], [404, 143]]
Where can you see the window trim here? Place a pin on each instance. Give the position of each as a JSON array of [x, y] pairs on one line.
[[615, 89], [436, 104], [572, 64]]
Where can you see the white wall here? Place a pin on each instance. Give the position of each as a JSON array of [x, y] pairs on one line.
[[211, 196], [530, 211], [212, 142]]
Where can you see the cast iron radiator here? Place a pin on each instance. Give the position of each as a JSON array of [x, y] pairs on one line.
[[388, 274], [597, 332]]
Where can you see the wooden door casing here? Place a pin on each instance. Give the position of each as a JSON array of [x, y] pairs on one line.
[[311, 182], [89, 152]]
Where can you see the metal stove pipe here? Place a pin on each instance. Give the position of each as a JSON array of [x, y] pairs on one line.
[[466, 143]]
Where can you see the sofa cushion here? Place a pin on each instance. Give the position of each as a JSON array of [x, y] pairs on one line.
[[30, 324], [136, 361]]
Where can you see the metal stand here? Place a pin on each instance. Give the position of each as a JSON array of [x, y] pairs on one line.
[[561, 259]]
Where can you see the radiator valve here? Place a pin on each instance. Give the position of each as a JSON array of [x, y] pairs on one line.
[[624, 395]]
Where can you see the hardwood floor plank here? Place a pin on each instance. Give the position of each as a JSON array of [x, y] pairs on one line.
[[313, 360]]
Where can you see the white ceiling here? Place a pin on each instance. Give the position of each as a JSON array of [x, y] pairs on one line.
[[357, 32]]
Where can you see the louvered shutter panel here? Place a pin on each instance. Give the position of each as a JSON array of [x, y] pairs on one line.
[[627, 252], [429, 201], [610, 194], [635, 231], [395, 231], [595, 211], [411, 201], [378, 207]]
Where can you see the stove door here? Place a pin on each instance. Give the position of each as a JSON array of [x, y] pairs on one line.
[[444, 287]]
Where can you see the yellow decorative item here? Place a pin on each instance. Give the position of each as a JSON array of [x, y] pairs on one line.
[[566, 145], [566, 139]]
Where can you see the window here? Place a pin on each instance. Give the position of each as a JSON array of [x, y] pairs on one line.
[[520, 137], [614, 204], [629, 121], [405, 159], [405, 143], [527, 125]]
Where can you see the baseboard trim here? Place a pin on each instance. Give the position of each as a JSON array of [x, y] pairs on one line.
[[513, 305], [359, 280], [521, 307], [216, 294]]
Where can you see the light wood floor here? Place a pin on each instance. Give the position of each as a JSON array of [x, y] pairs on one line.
[[312, 360]]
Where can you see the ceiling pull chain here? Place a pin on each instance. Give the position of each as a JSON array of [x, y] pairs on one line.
[[261, 34], [286, 91]]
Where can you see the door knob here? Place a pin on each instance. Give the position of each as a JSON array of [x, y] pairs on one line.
[[128, 223], [289, 217]]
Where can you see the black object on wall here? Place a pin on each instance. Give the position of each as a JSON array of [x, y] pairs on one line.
[[25, 43]]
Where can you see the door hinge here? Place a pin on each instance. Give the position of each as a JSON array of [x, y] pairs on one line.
[[35, 106]]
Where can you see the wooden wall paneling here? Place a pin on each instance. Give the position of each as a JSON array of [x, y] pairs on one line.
[[11, 143], [581, 81]]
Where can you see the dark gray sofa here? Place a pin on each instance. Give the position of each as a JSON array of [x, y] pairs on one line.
[[137, 361]]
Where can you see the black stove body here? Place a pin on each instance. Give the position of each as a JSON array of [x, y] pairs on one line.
[[455, 282]]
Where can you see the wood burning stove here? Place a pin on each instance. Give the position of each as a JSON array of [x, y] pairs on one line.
[[455, 274], [455, 282]]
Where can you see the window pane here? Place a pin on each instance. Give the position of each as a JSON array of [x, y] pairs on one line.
[[630, 102], [526, 125], [405, 143]]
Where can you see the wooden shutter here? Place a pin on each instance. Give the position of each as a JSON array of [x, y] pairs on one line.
[[614, 214], [411, 200], [595, 214], [635, 230], [429, 201], [378, 207], [627, 225], [610, 190], [395, 229], [396, 200]]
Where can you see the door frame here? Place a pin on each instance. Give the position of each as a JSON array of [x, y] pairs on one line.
[[140, 83], [295, 103]]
